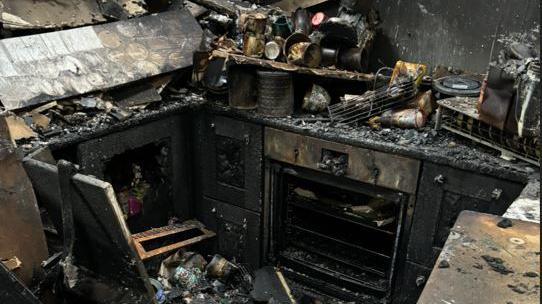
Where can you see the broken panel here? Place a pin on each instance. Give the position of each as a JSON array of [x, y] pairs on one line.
[[102, 244], [21, 230], [50, 66]]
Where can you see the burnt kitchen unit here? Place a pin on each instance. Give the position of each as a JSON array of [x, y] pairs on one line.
[[345, 223]]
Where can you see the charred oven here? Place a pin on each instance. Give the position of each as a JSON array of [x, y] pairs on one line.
[[336, 215]]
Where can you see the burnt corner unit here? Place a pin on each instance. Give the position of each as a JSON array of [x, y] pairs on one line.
[[337, 215], [148, 168]]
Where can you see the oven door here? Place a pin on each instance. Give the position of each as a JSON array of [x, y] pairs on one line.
[[334, 234]]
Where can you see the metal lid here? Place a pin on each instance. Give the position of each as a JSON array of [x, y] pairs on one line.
[[458, 85]]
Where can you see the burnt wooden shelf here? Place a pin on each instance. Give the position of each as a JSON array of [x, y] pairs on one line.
[[282, 66]]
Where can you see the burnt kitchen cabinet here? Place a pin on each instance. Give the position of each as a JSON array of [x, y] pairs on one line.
[[444, 192], [230, 161], [237, 231]]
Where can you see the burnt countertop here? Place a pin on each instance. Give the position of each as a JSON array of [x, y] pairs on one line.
[[103, 124], [426, 144]]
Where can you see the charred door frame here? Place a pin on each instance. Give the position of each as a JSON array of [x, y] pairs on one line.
[[274, 184]]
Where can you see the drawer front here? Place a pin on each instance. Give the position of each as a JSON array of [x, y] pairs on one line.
[[368, 166], [237, 231], [231, 162]]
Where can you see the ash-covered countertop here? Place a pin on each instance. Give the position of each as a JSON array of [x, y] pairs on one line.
[[426, 144], [103, 124]]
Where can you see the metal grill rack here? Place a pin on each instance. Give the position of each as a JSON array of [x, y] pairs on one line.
[[362, 107], [460, 116]]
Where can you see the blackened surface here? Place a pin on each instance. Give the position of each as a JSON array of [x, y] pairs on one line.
[[229, 156], [94, 154], [230, 163], [439, 147], [103, 124], [451, 33], [237, 231], [13, 291], [410, 284], [443, 193]]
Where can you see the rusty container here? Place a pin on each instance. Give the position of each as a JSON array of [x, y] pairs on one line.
[[293, 39], [305, 54], [242, 85], [255, 23], [406, 118], [275, 93], [253, 45]]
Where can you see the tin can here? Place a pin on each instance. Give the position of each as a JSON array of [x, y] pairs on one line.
[[275, 93]]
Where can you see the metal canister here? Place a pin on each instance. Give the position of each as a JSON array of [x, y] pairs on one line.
[[273, 50], [253, 45], [275, 93], [255, 23], [242, 85], [305, 54], [406, 118], [302, 22], [293, 39]]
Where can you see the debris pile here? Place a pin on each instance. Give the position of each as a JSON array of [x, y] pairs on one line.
[[187, 277]]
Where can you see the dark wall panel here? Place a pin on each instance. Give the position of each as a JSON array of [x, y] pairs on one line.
[[456, 33]]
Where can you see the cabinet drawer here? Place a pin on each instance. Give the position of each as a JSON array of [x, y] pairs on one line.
[[368, 166], [237, 230]]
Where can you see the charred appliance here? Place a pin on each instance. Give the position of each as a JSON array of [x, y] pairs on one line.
[[336, 219]]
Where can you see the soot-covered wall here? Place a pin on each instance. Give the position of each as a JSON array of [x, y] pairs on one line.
[[456, 33]]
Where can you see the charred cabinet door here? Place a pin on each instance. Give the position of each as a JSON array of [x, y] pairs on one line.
[[443, 193], [231, 161], [237, 231]]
